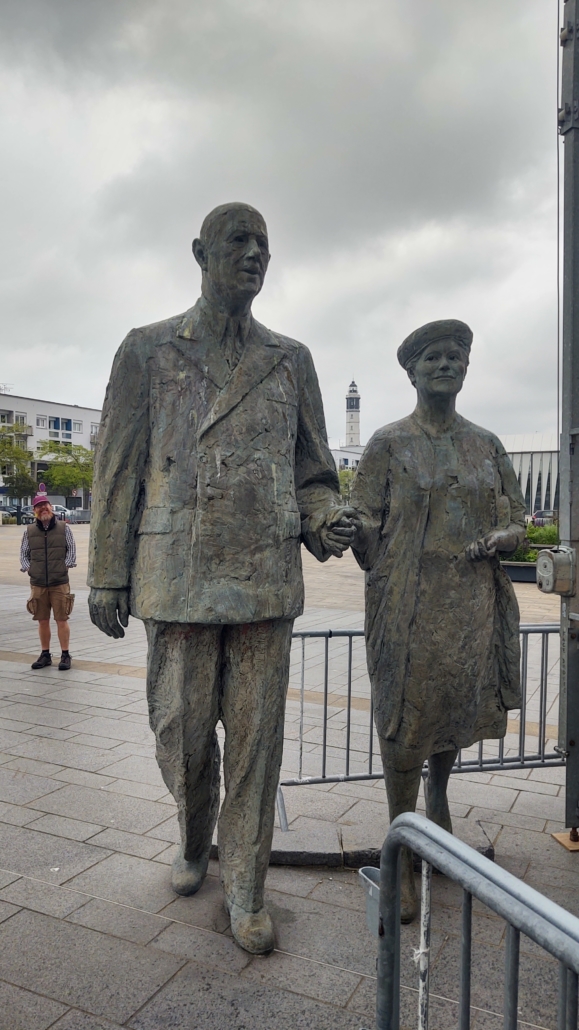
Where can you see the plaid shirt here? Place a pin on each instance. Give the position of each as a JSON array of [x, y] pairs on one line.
[[70, 557]]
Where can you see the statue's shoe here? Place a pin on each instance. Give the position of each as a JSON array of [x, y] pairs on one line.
[[187, 877], [253, 931]]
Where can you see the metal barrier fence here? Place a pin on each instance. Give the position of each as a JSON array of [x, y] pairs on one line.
[[344, 710], [524, 909]]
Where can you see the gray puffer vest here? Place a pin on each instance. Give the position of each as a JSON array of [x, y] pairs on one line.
[[47, 554]]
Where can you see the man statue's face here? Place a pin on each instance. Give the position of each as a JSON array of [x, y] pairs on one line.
[[237, 256]]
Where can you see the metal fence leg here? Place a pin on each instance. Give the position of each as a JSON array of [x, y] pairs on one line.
[[571, 1000], [423, 955], [281, 812], [512, 978], [465, 962], [302, 698], [562, 1002], [388, 987]]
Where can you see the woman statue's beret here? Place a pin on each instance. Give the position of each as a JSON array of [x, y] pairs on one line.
[[414, 344]]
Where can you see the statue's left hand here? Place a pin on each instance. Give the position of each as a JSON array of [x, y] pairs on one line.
[[487, 546], [109, 610], [340, 529]]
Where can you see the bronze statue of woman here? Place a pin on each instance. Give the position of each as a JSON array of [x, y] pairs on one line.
[[438, 500]]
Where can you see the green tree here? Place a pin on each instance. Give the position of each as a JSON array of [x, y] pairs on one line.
[[70, 466], [12, 457], [20, 484], [15, 466], [346, 477]]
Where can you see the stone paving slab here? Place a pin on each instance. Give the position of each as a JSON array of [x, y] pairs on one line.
[[91, 935]]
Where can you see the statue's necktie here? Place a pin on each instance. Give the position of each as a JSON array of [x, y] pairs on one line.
[[232, 343]]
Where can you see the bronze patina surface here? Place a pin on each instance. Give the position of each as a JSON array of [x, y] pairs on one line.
[[438, 499], [212, 467]]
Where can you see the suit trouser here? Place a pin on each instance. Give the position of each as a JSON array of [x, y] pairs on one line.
[[200, 674]]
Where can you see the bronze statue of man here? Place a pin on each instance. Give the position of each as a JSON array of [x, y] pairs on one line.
[[439, 500], [212, 467]]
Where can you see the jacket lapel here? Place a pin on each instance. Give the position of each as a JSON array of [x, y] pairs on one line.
[[261, 354], [199, 346]]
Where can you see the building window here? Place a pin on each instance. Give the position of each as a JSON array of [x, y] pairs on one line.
[[53, 423], [53, 434], [21, 444], [20, 418], [66, 423], [66, 436], [41, 421], [77, 427], [94, 428]]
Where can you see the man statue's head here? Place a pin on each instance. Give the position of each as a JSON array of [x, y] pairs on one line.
[[233, 254]]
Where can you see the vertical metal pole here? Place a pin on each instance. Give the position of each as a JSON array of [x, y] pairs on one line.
[[302, 698], [511, 1004], [371, 736], [465, 963], [543, 693], [524, 676], [569, 456], [562, 1001], [281, 812], [349, 715], [571, 1000], [388, 986], [325, 729], [424, 950]]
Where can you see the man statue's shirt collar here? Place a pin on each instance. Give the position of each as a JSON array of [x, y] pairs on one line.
[[209, 325], [229, 331]]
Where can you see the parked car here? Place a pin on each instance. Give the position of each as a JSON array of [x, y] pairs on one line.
[[61, 512], [544, 518]]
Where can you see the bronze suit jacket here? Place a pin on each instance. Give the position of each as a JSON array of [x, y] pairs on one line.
[[206, 480]]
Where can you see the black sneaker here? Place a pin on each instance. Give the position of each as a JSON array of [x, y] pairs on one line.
[[44, 659], [64, 662]]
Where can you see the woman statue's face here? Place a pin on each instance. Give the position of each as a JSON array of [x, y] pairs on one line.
[[440, 369]]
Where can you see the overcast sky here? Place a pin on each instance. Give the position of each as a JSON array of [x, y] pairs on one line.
[[402, 154]]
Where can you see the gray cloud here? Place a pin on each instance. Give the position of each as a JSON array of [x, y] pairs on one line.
[[402, 155]]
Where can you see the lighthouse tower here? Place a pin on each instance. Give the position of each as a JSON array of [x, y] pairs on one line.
[[353, 416]]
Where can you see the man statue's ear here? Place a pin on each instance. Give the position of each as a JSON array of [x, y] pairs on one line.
[[200, 254]]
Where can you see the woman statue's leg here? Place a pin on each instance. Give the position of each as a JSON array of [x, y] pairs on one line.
[[439, 767], [402, 788]]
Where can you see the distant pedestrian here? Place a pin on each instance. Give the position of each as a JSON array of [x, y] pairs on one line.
[[47, 553]]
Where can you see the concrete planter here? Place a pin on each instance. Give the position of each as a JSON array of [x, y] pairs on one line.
[[520, 571]]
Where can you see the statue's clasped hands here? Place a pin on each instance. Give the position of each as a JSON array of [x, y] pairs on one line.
[[487, 546], [339, 531], [109, 610]]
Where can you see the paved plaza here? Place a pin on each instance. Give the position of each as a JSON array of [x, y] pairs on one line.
[[93, 938]]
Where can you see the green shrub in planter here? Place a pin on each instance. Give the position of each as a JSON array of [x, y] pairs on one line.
[[523, 553], [537, 537], [548, 535]]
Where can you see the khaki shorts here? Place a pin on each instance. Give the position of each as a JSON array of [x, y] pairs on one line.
[[43, 599]]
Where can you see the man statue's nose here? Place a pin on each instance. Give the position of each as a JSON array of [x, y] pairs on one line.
[[252, 248]]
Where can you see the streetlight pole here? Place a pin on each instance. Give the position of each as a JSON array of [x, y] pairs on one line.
[[569, 460]]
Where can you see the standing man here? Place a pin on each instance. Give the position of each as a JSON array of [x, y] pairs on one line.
[[47, 553], [212, 467]]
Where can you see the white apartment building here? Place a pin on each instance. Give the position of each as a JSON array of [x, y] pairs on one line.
[[33, 421]]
